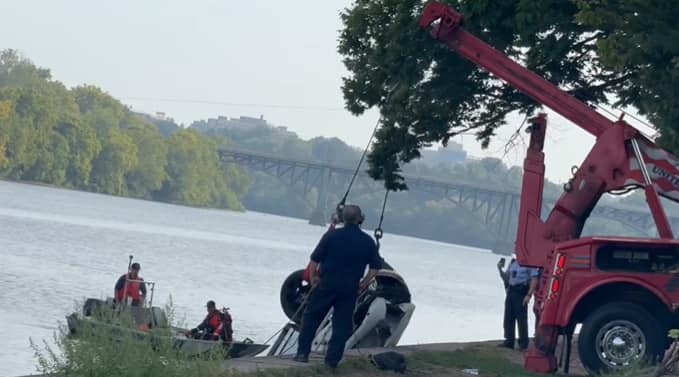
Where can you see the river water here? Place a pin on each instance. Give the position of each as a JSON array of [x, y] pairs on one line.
[[60, 246]]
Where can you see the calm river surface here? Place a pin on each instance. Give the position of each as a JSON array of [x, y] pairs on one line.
[[59, 246]]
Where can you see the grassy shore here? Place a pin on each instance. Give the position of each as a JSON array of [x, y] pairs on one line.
[[486, 360], [93, 353]]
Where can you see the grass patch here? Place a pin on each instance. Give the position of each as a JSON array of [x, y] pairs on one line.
[[94, 353], [351, 366], [98, 351], [487, 362]]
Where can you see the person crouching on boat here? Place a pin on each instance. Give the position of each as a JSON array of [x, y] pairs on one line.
[[131, 285], [212, 326]]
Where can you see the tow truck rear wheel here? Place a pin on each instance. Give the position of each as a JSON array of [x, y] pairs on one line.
[[619, 335]]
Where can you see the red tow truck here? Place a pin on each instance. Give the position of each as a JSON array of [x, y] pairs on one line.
[[623, 291]]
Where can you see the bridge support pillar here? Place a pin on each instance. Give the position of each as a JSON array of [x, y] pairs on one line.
[[505, 237], [503, 247], [319, 215]]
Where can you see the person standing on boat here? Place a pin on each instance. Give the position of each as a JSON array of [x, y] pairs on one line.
[[520, 283], [131, 285], [212, 326], [343, 255]]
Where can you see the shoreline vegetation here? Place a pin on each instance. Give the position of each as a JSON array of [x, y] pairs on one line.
[[96, 351], [92, 353]]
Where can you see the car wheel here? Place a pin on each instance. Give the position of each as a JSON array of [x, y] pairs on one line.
[[293, 290]]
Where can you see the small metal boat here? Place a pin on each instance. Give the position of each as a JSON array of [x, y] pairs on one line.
[[149, 323]]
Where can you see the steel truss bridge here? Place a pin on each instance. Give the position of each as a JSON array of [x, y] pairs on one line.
[[495, 208]]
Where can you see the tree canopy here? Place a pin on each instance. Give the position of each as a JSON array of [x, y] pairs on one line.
[[624, 51]]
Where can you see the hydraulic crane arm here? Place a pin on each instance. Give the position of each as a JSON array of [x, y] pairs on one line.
[[621, 157]]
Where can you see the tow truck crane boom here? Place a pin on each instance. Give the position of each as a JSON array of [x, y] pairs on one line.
[[606, 168], [622, 158]]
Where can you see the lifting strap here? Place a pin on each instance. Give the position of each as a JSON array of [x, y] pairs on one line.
[[378, 231], [340, 205]]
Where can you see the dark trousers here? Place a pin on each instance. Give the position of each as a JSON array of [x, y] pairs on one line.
[[516, 313], [322, 299], [202, 334]]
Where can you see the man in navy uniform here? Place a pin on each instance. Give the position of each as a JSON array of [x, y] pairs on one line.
[[520, 283], [343, 255]]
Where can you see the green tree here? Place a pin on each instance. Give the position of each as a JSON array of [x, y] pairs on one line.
[[17, 71], [195, 176], [6, 112], [642, 41], [334, 150], [426, 93], [100, 110], [117, 158], [149, 174], [84, 147], [38, 152]]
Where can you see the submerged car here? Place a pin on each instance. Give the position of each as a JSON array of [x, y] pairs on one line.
[[382, 314]]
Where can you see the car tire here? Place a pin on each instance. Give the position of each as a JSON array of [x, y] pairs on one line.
[[292, 295]]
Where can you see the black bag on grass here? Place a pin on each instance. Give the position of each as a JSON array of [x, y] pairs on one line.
[[389, 361]]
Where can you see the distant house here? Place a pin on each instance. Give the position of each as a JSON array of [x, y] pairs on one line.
[[222, 122], [158, 116]]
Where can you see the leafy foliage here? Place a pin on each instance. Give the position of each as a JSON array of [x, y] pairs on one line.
[[83, 138], [427, 94], [96, 350], [194, 176]]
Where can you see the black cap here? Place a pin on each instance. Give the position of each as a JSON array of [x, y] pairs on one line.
[[211, 304], [136, 266]]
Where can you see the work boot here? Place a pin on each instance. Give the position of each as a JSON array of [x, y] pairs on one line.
[[331, 365], [506, 345], [301, 358]]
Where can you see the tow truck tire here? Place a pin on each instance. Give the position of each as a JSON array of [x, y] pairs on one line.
[[618, 334]]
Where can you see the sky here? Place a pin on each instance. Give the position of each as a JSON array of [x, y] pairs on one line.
[[203, 58]]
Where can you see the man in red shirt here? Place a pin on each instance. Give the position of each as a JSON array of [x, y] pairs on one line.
[[130, 285]]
